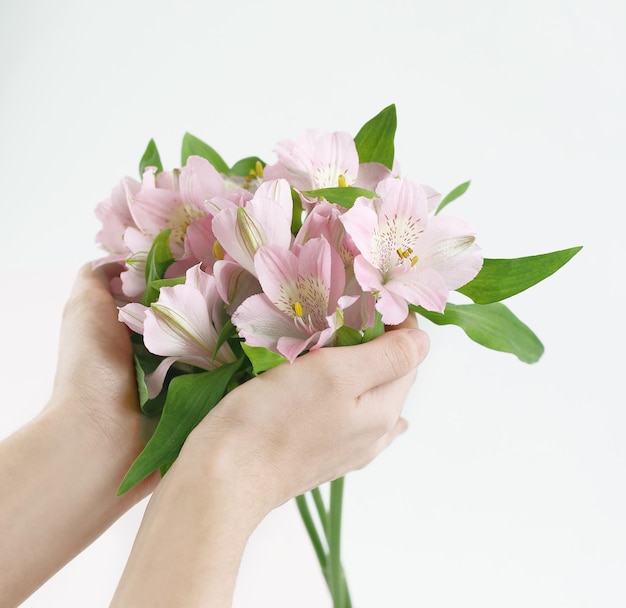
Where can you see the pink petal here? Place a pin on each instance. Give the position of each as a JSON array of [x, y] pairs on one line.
[[448, 247], [199, 181], [280, 191], [234, 283], [425, 288], [402, 198], [370, 175], [152, 209], [275, 267], [361, 222], [154, 381], [134, 315], [260, 323]]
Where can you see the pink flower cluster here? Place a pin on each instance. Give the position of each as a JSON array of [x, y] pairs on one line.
[[232, 240]]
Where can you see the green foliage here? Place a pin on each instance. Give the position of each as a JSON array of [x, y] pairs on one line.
[[261, 358], [296, 214], [243, 167], [159, 260], [375, 141], [376, 330], [340, 196], [502, 278], [491, 325], [150, 158], [228, 332], [348, 336], [453, 195], [190, 398], [146, 363], [192, 146]]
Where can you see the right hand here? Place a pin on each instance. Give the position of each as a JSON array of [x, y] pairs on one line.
[[302, 424]]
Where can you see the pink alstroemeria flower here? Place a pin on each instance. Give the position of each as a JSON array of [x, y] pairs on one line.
[[324, 220], [405, 255], [182, 325], [301, 305], [114, 213], [317, 159], [320, 159], [174, 200], [264, 220]]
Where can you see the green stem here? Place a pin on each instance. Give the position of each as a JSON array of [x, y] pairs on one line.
[[309, 524], [338, 588], [321, 509], [331, 526]]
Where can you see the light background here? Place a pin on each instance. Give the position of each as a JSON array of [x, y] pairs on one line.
[[508, 490]]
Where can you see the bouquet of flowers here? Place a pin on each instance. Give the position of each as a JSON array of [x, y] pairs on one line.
[[229, 271]]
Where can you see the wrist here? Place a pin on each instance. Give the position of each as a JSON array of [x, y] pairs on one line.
[[103, 443], [234, 468]]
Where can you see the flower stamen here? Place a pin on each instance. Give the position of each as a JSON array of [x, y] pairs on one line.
[[218, 251]]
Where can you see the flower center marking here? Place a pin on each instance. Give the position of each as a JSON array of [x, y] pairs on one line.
[[180, 220]]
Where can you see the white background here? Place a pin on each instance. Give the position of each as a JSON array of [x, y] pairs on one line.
[[508, 490]]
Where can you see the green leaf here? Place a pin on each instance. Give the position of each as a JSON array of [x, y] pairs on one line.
[[243, 167], [262, 358], [453, 195], [150, 158], [491, 325], [502, 278], [146, 363], [140, 375], [228, 331], [189, 399], [192, 146], [296, 215], [376, 330], [374, 142], [158, 283], [158, 261], [348, 336], [340, 196]]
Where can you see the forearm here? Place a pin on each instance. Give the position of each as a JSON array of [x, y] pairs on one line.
[[191, 540], [59, 482]]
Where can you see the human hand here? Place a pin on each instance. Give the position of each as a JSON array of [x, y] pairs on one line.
[[95, 383], [61, 471], [302, 424]]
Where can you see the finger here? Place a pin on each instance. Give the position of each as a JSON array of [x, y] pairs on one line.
[[383, 405], [384, 441], [409, 323], [387, 358]]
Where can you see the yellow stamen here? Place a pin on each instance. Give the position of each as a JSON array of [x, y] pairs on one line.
[[218, 251], [404, 254], [413, 261], [297, 309], [258, 167], [341, 181]]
